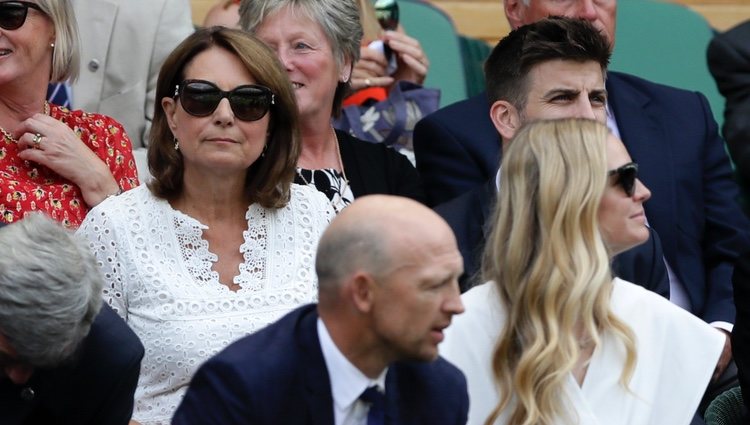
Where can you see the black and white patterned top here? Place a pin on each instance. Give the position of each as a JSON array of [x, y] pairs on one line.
[[331, 182]]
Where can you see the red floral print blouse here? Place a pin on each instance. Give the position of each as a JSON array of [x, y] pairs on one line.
[[26, 186]]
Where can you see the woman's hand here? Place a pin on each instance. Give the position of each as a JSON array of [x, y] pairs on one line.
[[49, 142], [412, 61], [370, 70]]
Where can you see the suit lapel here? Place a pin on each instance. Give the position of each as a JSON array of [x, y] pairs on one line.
[[317, 383], [392, 396], [94, 17], [647, 144]]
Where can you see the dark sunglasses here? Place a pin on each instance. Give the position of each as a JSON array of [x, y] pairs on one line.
[[626, 177], [201, 98], [13, 13]]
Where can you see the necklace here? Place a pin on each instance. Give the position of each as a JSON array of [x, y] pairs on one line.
[[9, 137], [344, 187]]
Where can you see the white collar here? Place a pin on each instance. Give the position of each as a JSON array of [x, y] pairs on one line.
[[347, 382], [612, 122]]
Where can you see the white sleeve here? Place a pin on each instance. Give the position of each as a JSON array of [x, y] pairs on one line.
[[99, 234]]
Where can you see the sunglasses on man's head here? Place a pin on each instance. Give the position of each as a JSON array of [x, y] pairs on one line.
[[13, 13], [626, 177], [201, 98]]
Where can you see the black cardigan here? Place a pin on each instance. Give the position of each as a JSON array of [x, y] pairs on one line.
[[373, 168]]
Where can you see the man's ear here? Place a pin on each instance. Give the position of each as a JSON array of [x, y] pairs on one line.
[[515, 11], [506, 119], [363, 291]]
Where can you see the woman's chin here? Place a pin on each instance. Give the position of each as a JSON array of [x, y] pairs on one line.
[[620, 246]]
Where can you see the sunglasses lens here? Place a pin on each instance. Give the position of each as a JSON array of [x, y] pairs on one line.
[[12, 15], [249, 103], [626, 178], [200, 99]]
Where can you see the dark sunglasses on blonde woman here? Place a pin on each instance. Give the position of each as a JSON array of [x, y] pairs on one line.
[[626, 177], [13, 14], [201, 98]]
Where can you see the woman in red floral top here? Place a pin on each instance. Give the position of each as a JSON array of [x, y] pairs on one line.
[[52, 159]]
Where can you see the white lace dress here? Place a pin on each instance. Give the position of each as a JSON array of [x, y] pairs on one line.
[[158, 277]]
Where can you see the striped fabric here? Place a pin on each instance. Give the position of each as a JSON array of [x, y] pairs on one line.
[[57, 94]]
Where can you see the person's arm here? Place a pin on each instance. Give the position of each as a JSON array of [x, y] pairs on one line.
[[113, 374], [216, 396], [49, 142], [729, 63], [98, 231], [741, 331], [174, 24], [447, 169], [725, 234]]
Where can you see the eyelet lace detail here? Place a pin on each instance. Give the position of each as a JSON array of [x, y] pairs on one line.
[[158, 277]]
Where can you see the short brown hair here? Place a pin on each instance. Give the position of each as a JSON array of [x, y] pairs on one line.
[[507, 68], [269, 177]]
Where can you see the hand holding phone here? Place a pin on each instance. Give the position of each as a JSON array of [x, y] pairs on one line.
[[387, 13]]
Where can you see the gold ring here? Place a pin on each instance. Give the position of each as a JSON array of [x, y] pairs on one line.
[[368, 83], [37, 139]]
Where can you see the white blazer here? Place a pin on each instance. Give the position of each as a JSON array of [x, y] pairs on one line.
[[677, 353], [123, 45]]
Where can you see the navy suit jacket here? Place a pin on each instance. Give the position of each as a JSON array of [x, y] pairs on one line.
[[470, 214], [729, 62], [96, 388], [741, 331], [674, 138], [279, 376]]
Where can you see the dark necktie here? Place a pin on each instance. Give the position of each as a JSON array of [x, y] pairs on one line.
[[376, 399], [58, 95]]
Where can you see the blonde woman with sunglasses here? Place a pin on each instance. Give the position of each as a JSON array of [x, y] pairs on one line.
[[552, 338], [220, 243], [52, 159]]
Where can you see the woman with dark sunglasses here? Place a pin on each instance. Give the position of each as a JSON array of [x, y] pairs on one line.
[[318, 43], [552, 337], [221, 242], [53, 159]]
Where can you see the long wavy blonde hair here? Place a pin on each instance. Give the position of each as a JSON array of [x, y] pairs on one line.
[[551, 267]]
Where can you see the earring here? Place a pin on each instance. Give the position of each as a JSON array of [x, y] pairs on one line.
[[52, 45], [176, 144], [263, 154]]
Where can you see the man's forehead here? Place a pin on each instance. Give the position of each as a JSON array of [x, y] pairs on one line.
[[566, 74], [419, 261]]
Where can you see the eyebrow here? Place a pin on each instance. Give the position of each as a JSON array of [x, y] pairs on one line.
[[599, 92], [557, 92], [573, 92]]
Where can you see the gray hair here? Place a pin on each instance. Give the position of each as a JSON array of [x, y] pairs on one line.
[[339, 20], [50, 290], [345, 249], [66, 54]]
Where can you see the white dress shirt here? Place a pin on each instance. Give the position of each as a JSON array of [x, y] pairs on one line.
[[347, 382]]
